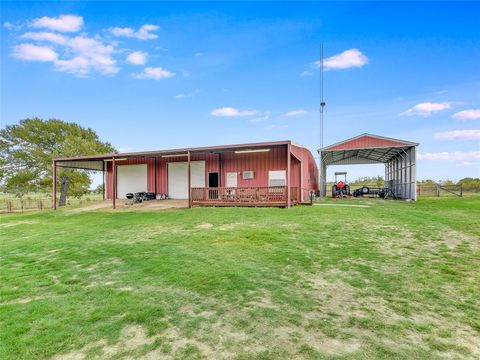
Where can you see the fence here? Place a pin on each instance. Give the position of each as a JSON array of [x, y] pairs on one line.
[[11, 205]]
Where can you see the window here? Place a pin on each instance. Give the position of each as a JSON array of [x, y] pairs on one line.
[[277, 178]]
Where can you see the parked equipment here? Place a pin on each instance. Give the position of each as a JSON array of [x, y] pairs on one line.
[[341, 188], [139, 197], [383, 193]]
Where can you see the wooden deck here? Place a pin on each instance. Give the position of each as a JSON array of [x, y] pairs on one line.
[[244, 196]]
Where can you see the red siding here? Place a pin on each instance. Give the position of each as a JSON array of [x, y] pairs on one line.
[[258, 162], [366, 142], [309, 167]]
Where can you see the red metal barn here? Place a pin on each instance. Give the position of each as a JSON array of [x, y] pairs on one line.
[[277, 173]]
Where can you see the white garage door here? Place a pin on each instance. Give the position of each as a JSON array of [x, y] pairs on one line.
[[131, 179], [178, 178]]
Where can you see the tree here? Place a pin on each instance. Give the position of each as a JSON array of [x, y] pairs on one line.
[[28, 148], [377, 181], [470, 183]]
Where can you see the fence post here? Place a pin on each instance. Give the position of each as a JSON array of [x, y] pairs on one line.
[[461, 190], [21, 205]]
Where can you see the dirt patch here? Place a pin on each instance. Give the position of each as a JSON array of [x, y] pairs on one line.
[[453, 238], [226, 227], [204, 226], [330, 346], [17, 223], [264, 302], [25, 300], [91, 207], [131, 337]]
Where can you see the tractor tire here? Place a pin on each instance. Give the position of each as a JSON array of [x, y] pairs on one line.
[[347, 190], [365, 190]]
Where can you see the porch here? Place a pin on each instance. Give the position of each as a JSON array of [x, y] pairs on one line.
[[248, 196]]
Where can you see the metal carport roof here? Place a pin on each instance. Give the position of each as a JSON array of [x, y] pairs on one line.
[[399, 157]]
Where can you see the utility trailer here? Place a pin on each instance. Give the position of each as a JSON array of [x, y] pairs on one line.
[[384, 193]]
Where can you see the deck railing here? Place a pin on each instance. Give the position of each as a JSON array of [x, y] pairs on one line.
[[243, 196]]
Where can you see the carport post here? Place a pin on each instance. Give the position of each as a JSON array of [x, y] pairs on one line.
[[288, 175], [103, 180], [189, 180], [114, 192], [54, 185]]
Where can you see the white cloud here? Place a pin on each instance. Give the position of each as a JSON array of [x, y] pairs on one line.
[[31, 52], [89, 55], [144, 33], [80, 55], [458, 134], [155, 73], [187, 95], [427, 109], [63, 23], [295, 113], [137, 58], [232, 112], [259, 119], [456, 155], [46, 36], [348, 59], [306, 73], [471, 114]]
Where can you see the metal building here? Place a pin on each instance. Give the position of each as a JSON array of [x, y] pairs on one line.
[[277, 173], [399, 157]]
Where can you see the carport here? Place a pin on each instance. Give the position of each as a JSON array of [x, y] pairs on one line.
[[399, 157]]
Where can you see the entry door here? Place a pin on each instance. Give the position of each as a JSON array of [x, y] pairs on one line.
[[231, 179], [178, 178], [212, 185], [213, 179]]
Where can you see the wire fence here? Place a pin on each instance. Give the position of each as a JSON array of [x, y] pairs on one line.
[[15, 205]]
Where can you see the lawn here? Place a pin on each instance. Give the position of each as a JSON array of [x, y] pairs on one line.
[[391, 280]]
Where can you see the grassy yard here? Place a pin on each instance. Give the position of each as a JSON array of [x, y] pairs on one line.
[[392, 280]]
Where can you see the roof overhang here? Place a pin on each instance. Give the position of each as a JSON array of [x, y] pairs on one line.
[[96, 162], [364, 149], [361, 156]]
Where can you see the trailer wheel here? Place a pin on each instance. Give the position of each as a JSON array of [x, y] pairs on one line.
[[365, 190]]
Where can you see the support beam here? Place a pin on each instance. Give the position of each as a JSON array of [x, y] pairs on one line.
[[219, 169], [189, 182], [289, 158], [155, 176], [103, 180], [114, 192], [54, 185]]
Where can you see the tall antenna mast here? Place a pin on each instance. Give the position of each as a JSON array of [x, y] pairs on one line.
[[322, 175], [322, 102]]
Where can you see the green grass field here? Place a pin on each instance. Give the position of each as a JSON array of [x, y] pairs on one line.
[[392, 280]]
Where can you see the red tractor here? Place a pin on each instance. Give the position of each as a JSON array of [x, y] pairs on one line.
[[340, 188]]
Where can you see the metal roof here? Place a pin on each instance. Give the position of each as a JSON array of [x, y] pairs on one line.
[[179, 151], [364, 149], [96, 162]]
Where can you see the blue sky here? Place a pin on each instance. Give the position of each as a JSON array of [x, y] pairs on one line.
[[157, 75]]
